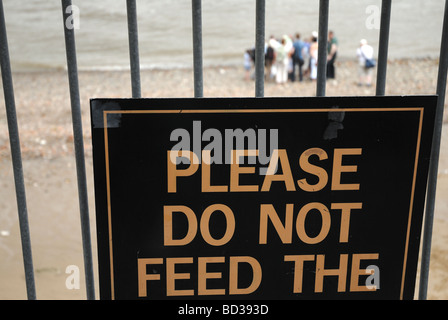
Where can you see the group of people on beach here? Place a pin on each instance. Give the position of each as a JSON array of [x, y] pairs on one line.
[[293, 59]]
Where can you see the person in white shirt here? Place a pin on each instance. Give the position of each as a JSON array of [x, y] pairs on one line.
[[282, 55], [314, 52], [364, 52], [247, 64]]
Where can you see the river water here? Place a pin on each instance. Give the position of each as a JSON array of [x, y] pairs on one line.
[[36, 35]]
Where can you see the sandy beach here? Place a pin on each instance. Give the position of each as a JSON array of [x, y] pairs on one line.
[[44, 115]]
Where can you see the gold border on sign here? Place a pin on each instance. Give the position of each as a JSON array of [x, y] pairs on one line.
[[210, 111]]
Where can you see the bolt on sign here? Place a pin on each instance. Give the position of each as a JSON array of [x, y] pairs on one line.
[[271, 198]]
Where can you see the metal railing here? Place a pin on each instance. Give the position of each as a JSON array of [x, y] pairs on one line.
[[72, 69], [16, 156], [198, 93]]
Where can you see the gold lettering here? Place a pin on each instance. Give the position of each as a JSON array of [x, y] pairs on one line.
[[203, 275], [298, 270], [356, 272], [168, 225], [173, 172], [205, 222], [315, 170], [233, 277], [236, 171], [338, 169], [286, 176], [143, 276], [345, 217], [326, 222], [206, 175], [321, 272], [283, 231], [172, 276]]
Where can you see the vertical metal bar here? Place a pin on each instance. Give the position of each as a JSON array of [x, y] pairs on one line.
[[72, 66], [16, 157], [197, 48], [383, 47], [259, 47], [133, 48], [324, 7], [434, 164]]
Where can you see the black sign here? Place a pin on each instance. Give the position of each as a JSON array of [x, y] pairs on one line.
[[273, 198]]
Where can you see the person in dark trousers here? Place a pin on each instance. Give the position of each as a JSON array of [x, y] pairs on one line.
[[332, 54], [268, 60], [297, 58]]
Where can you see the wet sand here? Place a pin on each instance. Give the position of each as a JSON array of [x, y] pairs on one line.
[[44, 116]]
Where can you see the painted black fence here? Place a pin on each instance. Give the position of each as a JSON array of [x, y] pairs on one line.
[[196, 8]]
